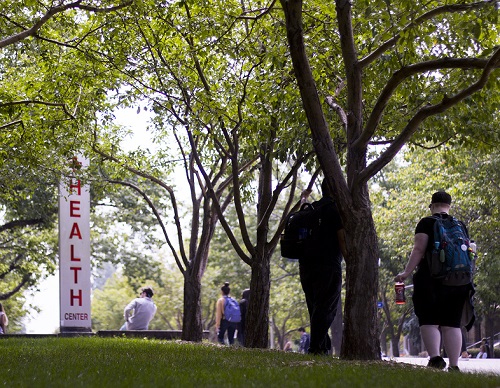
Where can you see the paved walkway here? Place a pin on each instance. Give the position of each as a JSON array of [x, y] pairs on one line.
[[473, 365]]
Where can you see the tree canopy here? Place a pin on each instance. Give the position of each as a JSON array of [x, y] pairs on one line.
[[219, 78], [396, 74]]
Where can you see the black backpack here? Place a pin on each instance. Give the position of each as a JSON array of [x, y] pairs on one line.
[[302, 231]]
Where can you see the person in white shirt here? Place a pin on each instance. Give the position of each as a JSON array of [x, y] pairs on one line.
[[143, 309], [482, 352], [4, 321]]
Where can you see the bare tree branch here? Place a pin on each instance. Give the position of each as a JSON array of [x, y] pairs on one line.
[[158, 218], [154, 180], [213, 194], [434, 146], [261, 12], [338, 109]]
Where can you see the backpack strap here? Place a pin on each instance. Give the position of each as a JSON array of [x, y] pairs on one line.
[[323, 202], [439, 216], [224, 307], [226, 301], [434, 230]]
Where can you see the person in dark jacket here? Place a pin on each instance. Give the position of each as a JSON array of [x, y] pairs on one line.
[[245, 296], [321, 272], [305, 341]]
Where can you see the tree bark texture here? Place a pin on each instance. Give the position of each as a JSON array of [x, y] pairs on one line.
[[257, 324], [383, 343], [361, 337], [389, 330], [192, 327]]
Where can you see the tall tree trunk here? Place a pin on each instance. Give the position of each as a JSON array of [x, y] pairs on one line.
[[489, 331], [383, 342], [360, 340], [395, 346], [361, 337], [192, 327], [393, 338], [257, 324]]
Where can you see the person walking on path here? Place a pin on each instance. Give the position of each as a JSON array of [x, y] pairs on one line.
[[227, 315], [321, 272], [143, 309], [305, 340], [245, 296], [441, 309]]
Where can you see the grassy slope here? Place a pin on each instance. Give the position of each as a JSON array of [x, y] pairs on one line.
[[120, 362]]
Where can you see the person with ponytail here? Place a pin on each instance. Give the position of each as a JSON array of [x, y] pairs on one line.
[[227, 315]]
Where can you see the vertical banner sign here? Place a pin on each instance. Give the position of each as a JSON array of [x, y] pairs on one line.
[[74, 250]]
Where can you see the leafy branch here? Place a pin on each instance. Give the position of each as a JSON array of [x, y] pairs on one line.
[[31, 31], [159, 182], [428, 111], [402, 75], [451, 8], [46, 103]]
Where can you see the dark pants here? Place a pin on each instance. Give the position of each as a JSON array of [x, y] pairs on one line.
[[321, 285], [230, 327], [241, 333]]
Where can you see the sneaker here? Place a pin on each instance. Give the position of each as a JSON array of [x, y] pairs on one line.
[[453, 369], [437, 362]]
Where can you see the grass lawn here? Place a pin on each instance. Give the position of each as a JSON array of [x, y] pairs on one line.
[[125, 362]]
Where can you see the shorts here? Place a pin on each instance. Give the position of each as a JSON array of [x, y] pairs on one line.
[[436, 304]]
